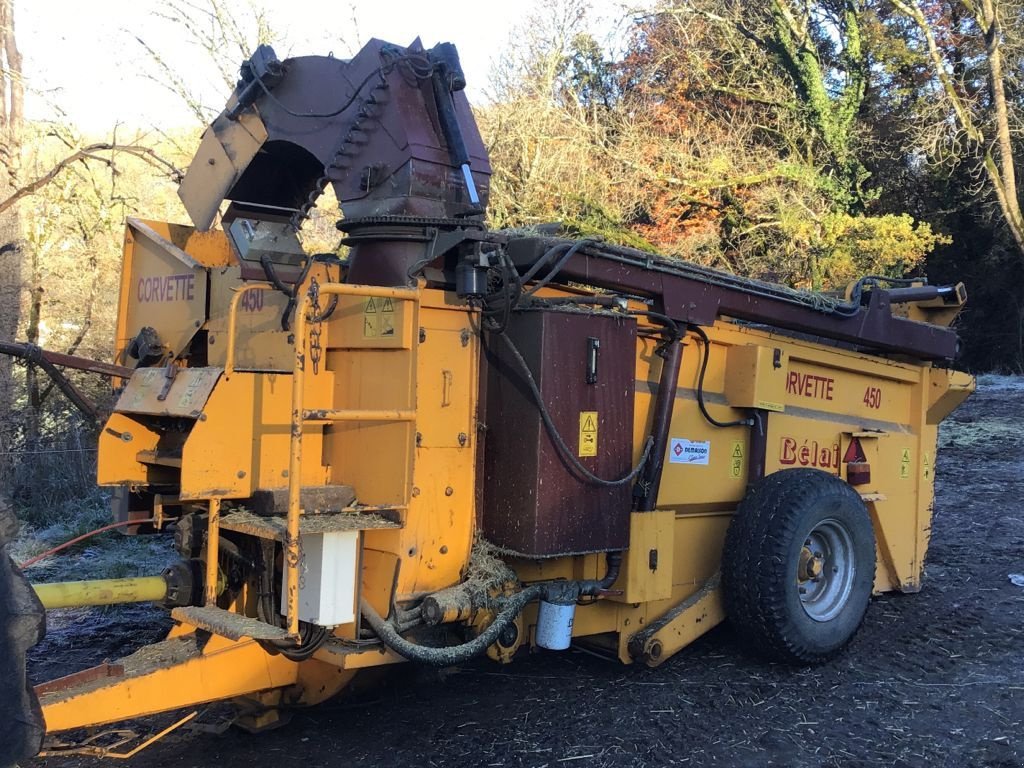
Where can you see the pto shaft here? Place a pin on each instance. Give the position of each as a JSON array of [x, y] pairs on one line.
[[76, 594]]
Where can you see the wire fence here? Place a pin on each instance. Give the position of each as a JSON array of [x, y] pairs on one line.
[[48, 451], [50, 476]]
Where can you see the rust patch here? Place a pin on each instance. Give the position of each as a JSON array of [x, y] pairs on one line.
[[101, 672]]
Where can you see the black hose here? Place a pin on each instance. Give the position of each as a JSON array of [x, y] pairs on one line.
[[700, 386], [594, 587], [579, 244], [540, 263], [455, 654]]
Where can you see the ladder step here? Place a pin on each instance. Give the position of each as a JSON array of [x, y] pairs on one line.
[[276, 527], [228, 623], [313, 499]]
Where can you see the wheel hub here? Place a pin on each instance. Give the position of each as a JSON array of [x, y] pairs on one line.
[[826, 570], [811, 564]]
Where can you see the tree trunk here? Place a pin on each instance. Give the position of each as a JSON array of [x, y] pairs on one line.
[[12, 98], [1000, 168], [997, 161]]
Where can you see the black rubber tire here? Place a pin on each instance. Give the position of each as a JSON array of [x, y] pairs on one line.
[[22, 625], [762, 556]]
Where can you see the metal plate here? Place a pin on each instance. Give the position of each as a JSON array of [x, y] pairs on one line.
[[187, 395]]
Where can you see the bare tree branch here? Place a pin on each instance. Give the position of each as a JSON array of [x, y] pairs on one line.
[[145, 154]]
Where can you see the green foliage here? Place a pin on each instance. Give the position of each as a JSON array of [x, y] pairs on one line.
[[842, 247], [581, 217]]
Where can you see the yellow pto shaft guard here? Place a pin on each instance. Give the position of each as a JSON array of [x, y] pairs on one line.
[[76, 594]]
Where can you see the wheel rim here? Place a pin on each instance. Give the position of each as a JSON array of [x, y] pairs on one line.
[[826, 569]]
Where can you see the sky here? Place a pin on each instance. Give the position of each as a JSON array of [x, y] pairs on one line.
[[82, 59]]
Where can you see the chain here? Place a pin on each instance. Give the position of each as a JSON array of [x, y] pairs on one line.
[[315, 350]]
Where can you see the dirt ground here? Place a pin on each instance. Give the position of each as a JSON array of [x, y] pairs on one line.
[[932, 679]]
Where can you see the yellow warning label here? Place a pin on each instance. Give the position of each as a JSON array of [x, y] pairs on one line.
[[736, 465], [387, 318], [371, 320], [905, 464], [927, 467], [588, 433]]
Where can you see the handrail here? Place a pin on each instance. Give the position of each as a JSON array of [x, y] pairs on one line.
[[291, 541], [229, 361], [212, 552]]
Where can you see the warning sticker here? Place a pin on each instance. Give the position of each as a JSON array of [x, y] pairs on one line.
[[371, 320], [905, 464], [927, 467], [387, 318], [684, 451], [588, 433], [736, 459]]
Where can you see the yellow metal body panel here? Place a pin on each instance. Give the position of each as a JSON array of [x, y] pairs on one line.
[[120, 443], [164, 282], [648, 563], [260, 343], [755, 377], [439, 481], [241, 440], [170, 675], [217, 458]]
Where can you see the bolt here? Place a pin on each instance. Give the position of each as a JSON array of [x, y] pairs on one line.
[[419, 439], [463, 438], [423, 335], [449, 491], [241, 474], [444, 549], [415, 491]]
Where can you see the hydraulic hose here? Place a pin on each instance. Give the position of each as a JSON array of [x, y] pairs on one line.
[[455, 654]]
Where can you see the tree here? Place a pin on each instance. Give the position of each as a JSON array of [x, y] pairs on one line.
[[966, 44], [749, 117], [12, 97], [804, 58]]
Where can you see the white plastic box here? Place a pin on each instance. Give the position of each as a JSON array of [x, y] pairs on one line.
[[328, 568]]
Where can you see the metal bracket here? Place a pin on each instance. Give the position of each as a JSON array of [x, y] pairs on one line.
[[680, 626]]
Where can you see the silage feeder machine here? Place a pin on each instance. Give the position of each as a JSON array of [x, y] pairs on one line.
[[459, 442]]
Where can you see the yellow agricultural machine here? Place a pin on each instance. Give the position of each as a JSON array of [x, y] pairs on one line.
[[459, 442]]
